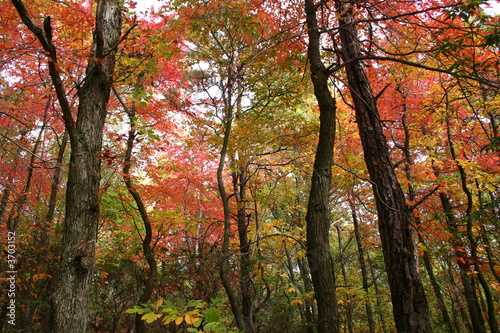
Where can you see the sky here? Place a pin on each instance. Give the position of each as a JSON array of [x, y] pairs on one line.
[[143, 5]]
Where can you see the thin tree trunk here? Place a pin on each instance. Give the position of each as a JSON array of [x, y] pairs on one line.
[[379, 296], [469, 288], [486, 240], [410, 308], [413, 198], [348, 297], [224, 267], [310, 307], [362, 263], [147, 240], [247, 291], [298, 293], [492, 322], [54, 188], [19, 206], [318, 209]]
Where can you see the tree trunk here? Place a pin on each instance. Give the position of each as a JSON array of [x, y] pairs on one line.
[[54, 188], [318, 210], [76, 267], [492, 322], [310, 307], [410, 308], [247, 291], [362, 264], [348, 306], [426, 257], [147, 240], [469, 289], [224, 267]]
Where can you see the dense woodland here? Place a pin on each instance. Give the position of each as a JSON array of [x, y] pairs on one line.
[[250, 166]]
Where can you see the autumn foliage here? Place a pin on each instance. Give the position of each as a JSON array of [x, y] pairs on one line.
[[208, 151]]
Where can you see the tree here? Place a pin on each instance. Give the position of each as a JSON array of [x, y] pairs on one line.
[[330, 116], [318, 211], [410, 306], [74, 277]]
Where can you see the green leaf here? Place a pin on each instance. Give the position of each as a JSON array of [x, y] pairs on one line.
[[212, 315], [212, 327], [138, 309], [170, 318], [196, 303], [168, 305]]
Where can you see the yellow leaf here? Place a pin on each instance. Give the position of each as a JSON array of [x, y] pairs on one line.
[[178, 320], [296, 301], [159, 303], [191, 319]]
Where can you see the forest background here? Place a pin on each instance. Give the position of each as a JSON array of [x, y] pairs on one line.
[[256, 166]]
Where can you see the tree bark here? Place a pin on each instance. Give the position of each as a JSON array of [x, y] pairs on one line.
[[76, 267], [410, 308], [247, 291], [74, 279], [318, 210]]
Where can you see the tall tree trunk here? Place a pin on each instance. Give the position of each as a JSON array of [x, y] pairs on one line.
[[76, 267], [318, 217], [224, 267], [410, 308], [247, 290]]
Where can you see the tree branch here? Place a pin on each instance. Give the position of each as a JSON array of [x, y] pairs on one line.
[[46, 41]]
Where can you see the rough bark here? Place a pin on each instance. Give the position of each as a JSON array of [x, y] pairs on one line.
[[410, 308], [71, 294], [318, 211]]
